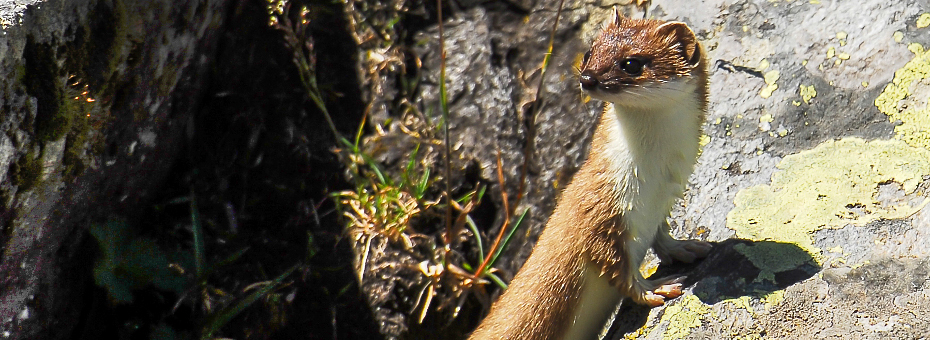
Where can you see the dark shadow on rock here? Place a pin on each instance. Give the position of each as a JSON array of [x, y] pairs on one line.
[[734, 268]]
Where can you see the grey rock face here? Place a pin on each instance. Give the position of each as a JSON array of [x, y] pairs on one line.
[[68, 155], [816, 156]]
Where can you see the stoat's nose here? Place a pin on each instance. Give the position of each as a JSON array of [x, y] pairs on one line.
[[588, 81]]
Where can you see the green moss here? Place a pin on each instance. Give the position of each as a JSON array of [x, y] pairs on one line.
[[96, 51], [73, 162], [101, 54], [93, 58], [27, 171], [86, 117], [19, 73]]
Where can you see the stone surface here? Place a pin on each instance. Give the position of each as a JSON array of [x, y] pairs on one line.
[[814, 175], [98, 152], [823, 164], [813, 180]]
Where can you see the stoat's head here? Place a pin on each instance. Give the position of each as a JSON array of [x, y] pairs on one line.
[[642, 63]]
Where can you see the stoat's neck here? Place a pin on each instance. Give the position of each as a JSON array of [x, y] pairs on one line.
[[659, 137], [652, 152]]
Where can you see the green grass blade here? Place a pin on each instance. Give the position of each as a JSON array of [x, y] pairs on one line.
[[197, 230], [496, 280], [231, 258], [507, 239], [474, 230], [222, 317], [411, 163], [358, 134], [423, 184], [377, 170], [481, 192]]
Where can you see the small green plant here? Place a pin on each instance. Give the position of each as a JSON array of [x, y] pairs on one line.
[[129, 262]]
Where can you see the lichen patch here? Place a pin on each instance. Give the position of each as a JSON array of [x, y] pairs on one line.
[[905, 99], [830, 186]]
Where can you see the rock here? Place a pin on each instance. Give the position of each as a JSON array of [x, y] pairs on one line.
[[814, 174], [141, 64]]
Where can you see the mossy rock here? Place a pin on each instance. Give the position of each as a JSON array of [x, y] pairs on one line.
[[27, 171], [43, 82]]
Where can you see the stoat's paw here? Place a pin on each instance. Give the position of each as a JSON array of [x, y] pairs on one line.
[[682, 250], [657, 291]]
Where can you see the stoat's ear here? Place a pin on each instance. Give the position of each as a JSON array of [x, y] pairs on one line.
[[618, 18], [676, 32]]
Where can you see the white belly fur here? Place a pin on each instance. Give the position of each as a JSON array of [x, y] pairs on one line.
[[598, 301]]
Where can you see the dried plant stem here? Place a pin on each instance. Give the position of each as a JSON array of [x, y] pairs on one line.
[[530, 148], [443, 102], [507, 213]]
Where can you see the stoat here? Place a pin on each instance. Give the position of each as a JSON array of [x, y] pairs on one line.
[[653, 76]]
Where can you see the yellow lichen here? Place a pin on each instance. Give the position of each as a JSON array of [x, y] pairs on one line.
[[923, 20], [773, 299], [742, 302], [807, 93], [818, 188], [770, 86], [683, 316], [835, 184], [764, 64], [915, 119], [702, 143], [771, 258]]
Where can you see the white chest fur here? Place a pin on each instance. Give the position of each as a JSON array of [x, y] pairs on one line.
[[652, 149]]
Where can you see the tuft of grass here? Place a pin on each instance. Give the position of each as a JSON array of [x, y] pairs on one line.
[[382, 205], [216, 319]]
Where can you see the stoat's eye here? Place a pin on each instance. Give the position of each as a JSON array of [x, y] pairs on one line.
[[587, 55], [632, 66]]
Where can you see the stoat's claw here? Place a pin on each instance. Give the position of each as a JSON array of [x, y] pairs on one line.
[[660, 290], [652, 300], [670, 291]]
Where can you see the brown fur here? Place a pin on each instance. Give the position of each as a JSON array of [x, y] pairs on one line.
[[586, 227], [669, 48]]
